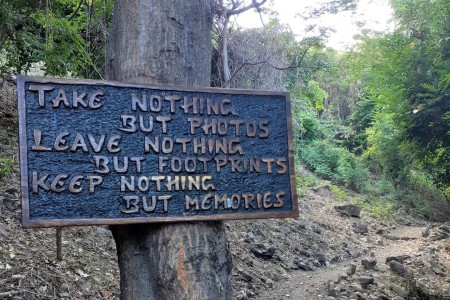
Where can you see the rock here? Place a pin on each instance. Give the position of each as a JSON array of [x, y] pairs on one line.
[[10, 203], [250, 237], [316, 229], [351, 269], [242, 295], [397, 268], [304, 266], [349, 210], [333, 292], [11, 191], [426, 232], [247, 277], [445, 228], [400, 258], [269, 282], [262, 250], [360, 228], [260, 233], [364, 281], [369, 263], [380, 231], [398, 290], [3, 231], [321, 258], [360, 296]]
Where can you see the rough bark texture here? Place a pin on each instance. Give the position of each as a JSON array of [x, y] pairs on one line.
[[167, 42]]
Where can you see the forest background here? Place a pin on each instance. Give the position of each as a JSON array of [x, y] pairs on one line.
[[373, 119]]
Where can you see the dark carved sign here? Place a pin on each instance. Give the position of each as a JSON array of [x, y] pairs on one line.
[[98, 152]]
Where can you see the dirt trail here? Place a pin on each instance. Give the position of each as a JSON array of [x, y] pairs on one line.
[[313, 285]]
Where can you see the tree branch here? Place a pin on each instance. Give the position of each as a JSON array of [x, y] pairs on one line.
[[76, 10], [254, 4]]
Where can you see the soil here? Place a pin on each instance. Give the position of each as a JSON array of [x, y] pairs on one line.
[[309, 257]]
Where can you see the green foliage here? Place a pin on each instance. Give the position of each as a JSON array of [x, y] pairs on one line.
[[6, 166], [304, 182], [308, 126], [407, 78], [68, 36], [335, 164], [315, 95], [379, 207], [339, 194], [360, 120], [381, 187], [385, 151]]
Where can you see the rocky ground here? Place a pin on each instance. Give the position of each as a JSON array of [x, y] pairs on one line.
[[326, 253]]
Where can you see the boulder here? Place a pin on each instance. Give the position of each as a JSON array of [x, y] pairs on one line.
[[360, 228], [262, 250], [397, 268], [369, 263], [364, 281], [349, 210]]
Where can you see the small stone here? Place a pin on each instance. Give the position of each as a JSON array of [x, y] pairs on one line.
[[262, 250], [380, 231], [398, 290], [321, 258], [3, 231], [445, 228], [400, 258], [250, 238], [397, 268], [369, 263], [360, 296], [11, 204], [316, 229], [304, 266], [11, 191], [242, 295], [269, 282], [364, 281], [247, 277], [333, 292], [360, 228], [351, 269]]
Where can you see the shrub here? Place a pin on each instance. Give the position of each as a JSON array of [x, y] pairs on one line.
[[334, 163], [381, 208]]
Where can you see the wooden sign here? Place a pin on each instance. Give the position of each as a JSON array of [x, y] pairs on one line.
[[98, 152]]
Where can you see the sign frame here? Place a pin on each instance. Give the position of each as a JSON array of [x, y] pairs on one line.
[[27, 222]]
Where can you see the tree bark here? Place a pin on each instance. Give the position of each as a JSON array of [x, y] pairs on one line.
[[167, 42]]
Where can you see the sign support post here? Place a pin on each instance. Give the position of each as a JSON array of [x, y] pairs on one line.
[[167, 42]]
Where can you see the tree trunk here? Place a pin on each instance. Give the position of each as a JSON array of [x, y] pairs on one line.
[[167, 42], [226, 64]]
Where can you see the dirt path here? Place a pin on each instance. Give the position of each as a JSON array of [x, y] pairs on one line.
[[313, 285]]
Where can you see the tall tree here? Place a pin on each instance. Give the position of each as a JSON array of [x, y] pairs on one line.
[[409, 82], [167, 42]]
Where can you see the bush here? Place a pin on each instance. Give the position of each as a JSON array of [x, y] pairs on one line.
[[334, 163], [381, 208]]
